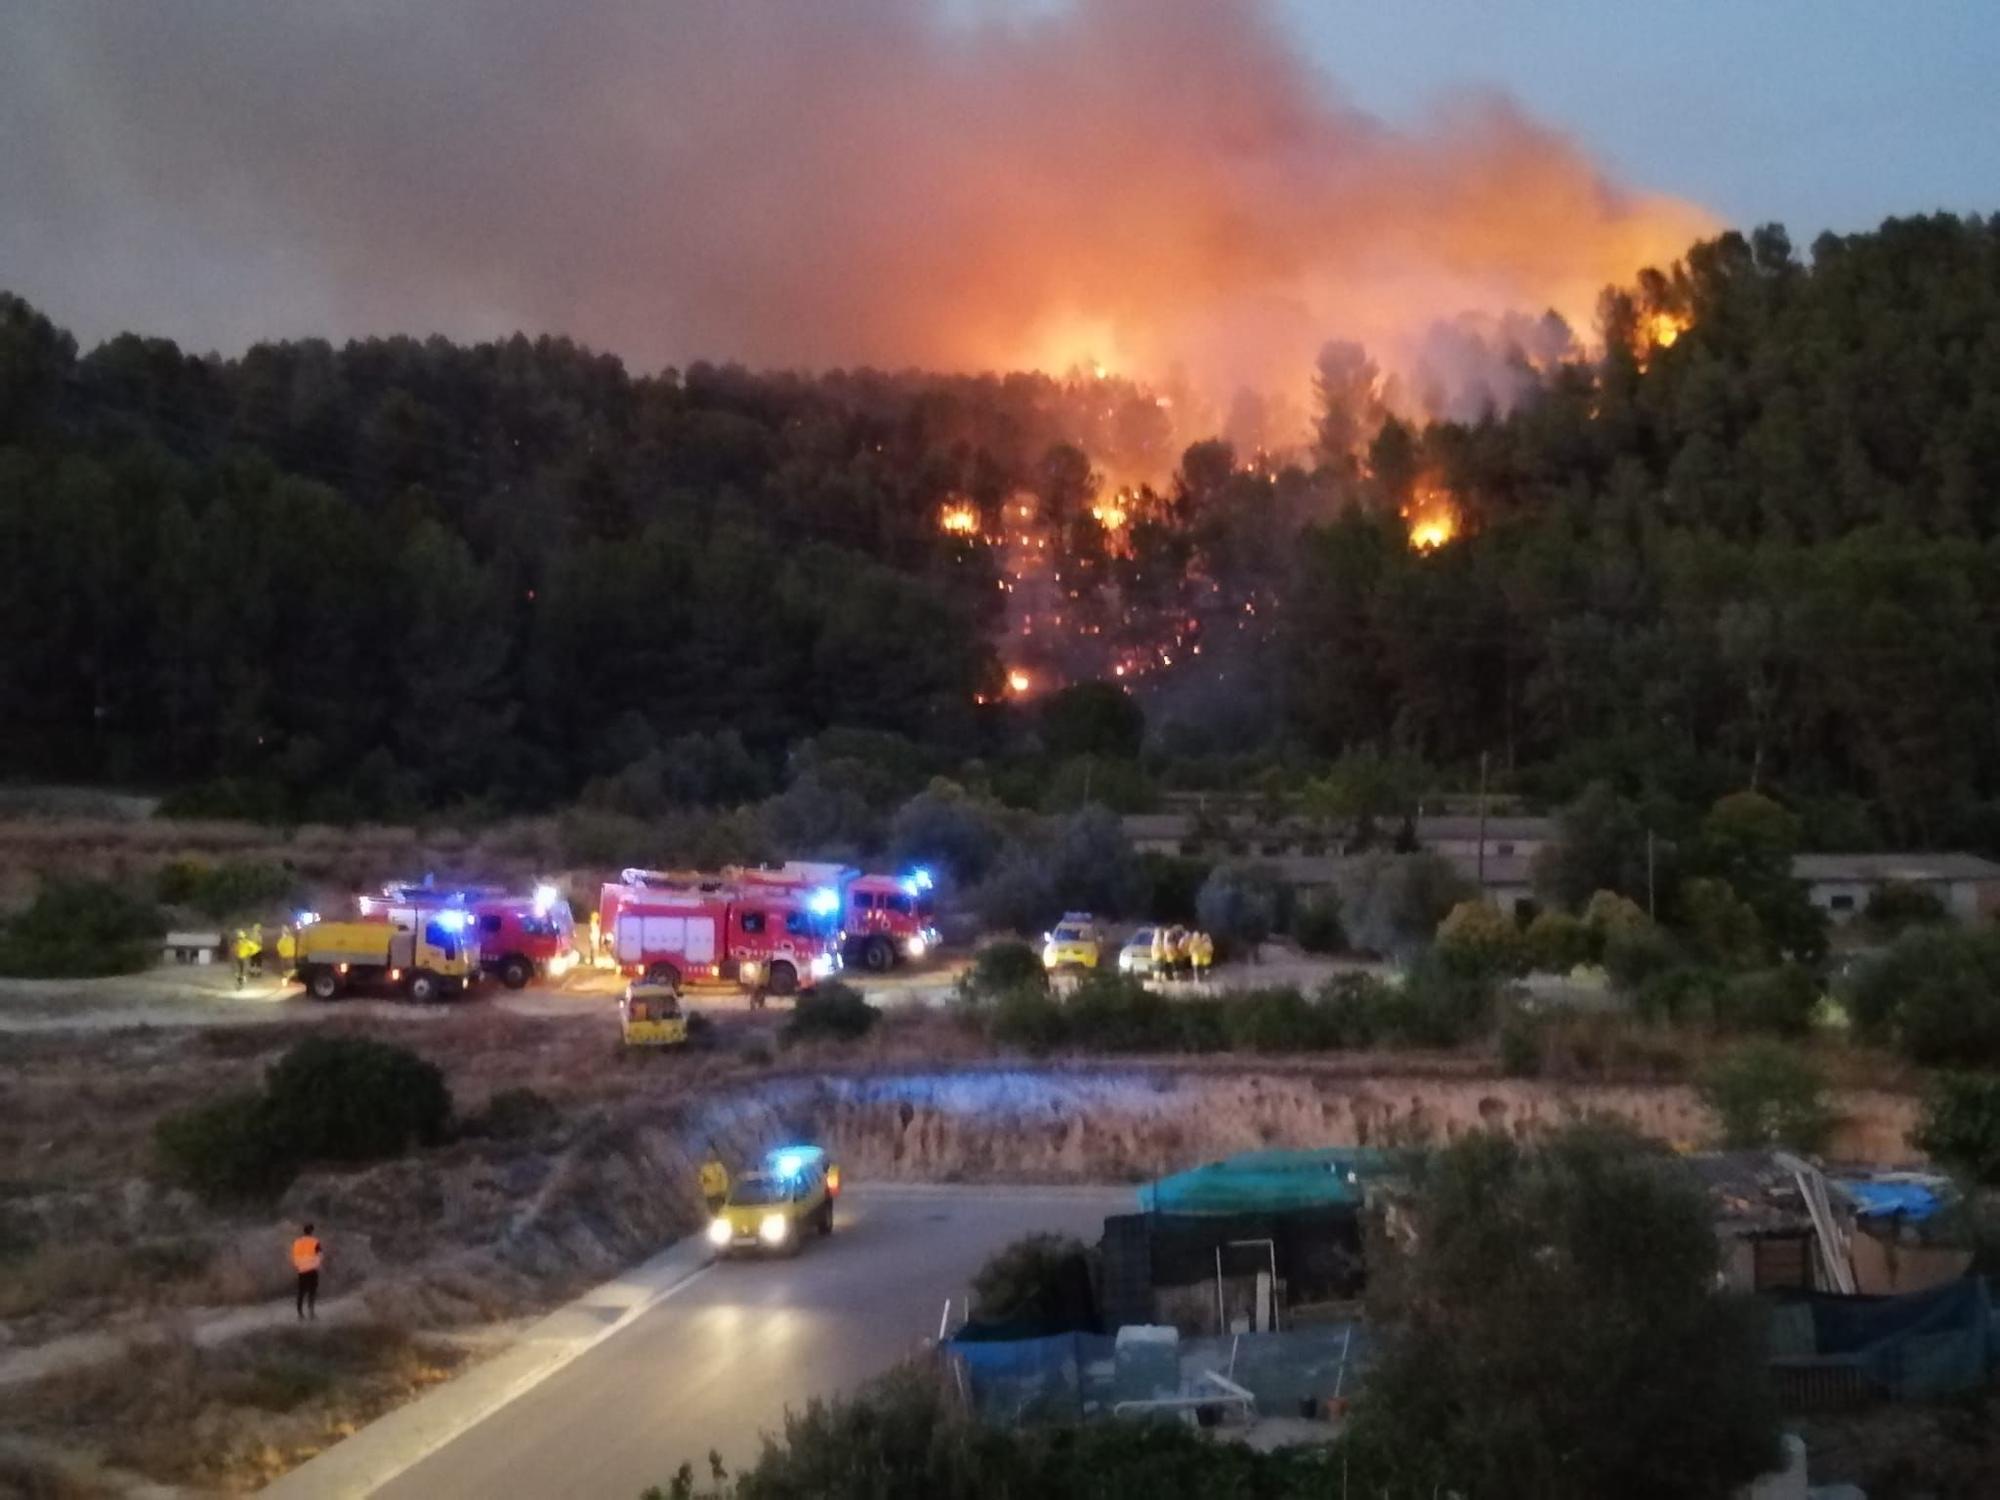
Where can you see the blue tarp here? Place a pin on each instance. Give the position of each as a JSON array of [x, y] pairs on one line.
[[1925, 1344], [1267, 1182], [1875, 1199]]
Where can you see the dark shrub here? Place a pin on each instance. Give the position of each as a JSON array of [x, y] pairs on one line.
[[225, 1150], [1279, 1019], [1520, 1044], [1766, 1093], [228, 889], [1960, 1127], [1896, 904], [1316, 925], [79, 928], [353, 1099], [1776, 1001], [1035, 1278], [1002, 967], [1935, 994], [835, 1011], [1114, 1013], [1028, 1017]]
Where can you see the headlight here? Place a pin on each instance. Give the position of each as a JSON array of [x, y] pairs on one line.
[[774, 1229], [1048, 958], [915, 947], [718, 1231], [1125, 962]]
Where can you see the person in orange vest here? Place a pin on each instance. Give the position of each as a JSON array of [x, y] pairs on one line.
[[307, 1254]]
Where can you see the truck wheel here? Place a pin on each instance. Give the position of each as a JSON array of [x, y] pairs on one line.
[[784, 979], [826, 1217], [877, 956], [322, 984], [515, 971], [664, 974], [423, 986]]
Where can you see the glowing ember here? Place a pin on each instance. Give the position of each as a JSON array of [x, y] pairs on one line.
[[1432, 515], [959, 520], [1019, 682], [1111, 514], [1659, 330]]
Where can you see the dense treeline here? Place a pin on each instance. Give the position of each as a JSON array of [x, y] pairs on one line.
[[401, 573], [1763, 553], [1753, 544]]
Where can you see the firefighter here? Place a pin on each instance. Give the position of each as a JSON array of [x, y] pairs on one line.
[[307, 1254], [288, 950], [1177, 952], [1201, 951], [1163, 953], [240, 949], [257, 949], [714, 1180]]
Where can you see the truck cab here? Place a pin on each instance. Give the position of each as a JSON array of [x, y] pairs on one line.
[[516, 937], [430, 957]]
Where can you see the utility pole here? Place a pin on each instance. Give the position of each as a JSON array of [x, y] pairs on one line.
[[1480, 877]]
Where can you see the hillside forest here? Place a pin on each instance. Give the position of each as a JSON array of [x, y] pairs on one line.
[[1752, 543]]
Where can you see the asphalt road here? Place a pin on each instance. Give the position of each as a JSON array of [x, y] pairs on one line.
[[716, 1364]]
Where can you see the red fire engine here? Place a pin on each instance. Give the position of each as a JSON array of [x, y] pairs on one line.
[[884, 919], [673, 927], [519, 937]]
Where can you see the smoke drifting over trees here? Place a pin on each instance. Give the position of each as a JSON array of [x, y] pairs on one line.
[[1150, 184]]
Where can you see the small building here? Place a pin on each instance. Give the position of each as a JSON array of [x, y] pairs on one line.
[[191, 947], [1967, 886]]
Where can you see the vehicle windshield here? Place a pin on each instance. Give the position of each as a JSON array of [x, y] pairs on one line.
[[758, 1191], [1071, 935], [1143, 938]]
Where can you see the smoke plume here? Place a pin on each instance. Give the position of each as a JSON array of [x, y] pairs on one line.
[[1153, 185]]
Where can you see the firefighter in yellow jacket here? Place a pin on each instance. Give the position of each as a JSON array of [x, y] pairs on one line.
[[242, 949], [1201, 953]]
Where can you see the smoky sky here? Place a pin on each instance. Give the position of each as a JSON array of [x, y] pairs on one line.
[[1157, 184]]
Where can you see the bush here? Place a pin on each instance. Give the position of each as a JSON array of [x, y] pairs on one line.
[[1316, 924], [1477, 939], [1778, 1001], [1440, 1006], [1279, 1019], [1238, 906], [1960, 1127], [1520, 1045], [1174, 884], [79, 929], [1115, 1013], [834, 1011], [1003, 967], [1028, 1017], [1683, 995], [1765, 1093], [1392, 903], [1634, 954], [233, 888], [1897, 904], [353, 1099], [1935, 995], [1033, 1279], [514, 1114], [1557, 942], [227, 1150]]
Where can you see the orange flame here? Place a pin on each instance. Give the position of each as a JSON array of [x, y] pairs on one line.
[[960, 518], [1432, 514], [1019, 683]]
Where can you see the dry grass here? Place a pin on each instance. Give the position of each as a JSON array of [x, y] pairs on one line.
[[233, 1417], [29, 1476]]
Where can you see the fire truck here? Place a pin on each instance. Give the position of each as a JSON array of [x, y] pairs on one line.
[[884, 919], [518, 937], [675, 927], [430, 956]]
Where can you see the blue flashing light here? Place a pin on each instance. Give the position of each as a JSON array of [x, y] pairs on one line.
[[921, 878], [545, 897], [788, 1161], [451, 921], [307, 918], [823, 902]]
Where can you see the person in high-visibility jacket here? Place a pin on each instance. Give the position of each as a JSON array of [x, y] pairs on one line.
[[1177, 952], [714, 1181], [257, 949], [307, 1256], [1201, 951], [242, 949], [288, 950], [1163, 953]]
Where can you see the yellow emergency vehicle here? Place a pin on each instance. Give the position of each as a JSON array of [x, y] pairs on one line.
[[1074, 943], [428, 960], [649, 1015], [774, 1208]]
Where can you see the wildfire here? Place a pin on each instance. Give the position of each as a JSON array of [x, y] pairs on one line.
[[1432, 515], [1019, 683], [1112, 514], [1659, 330], [959, 519]]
